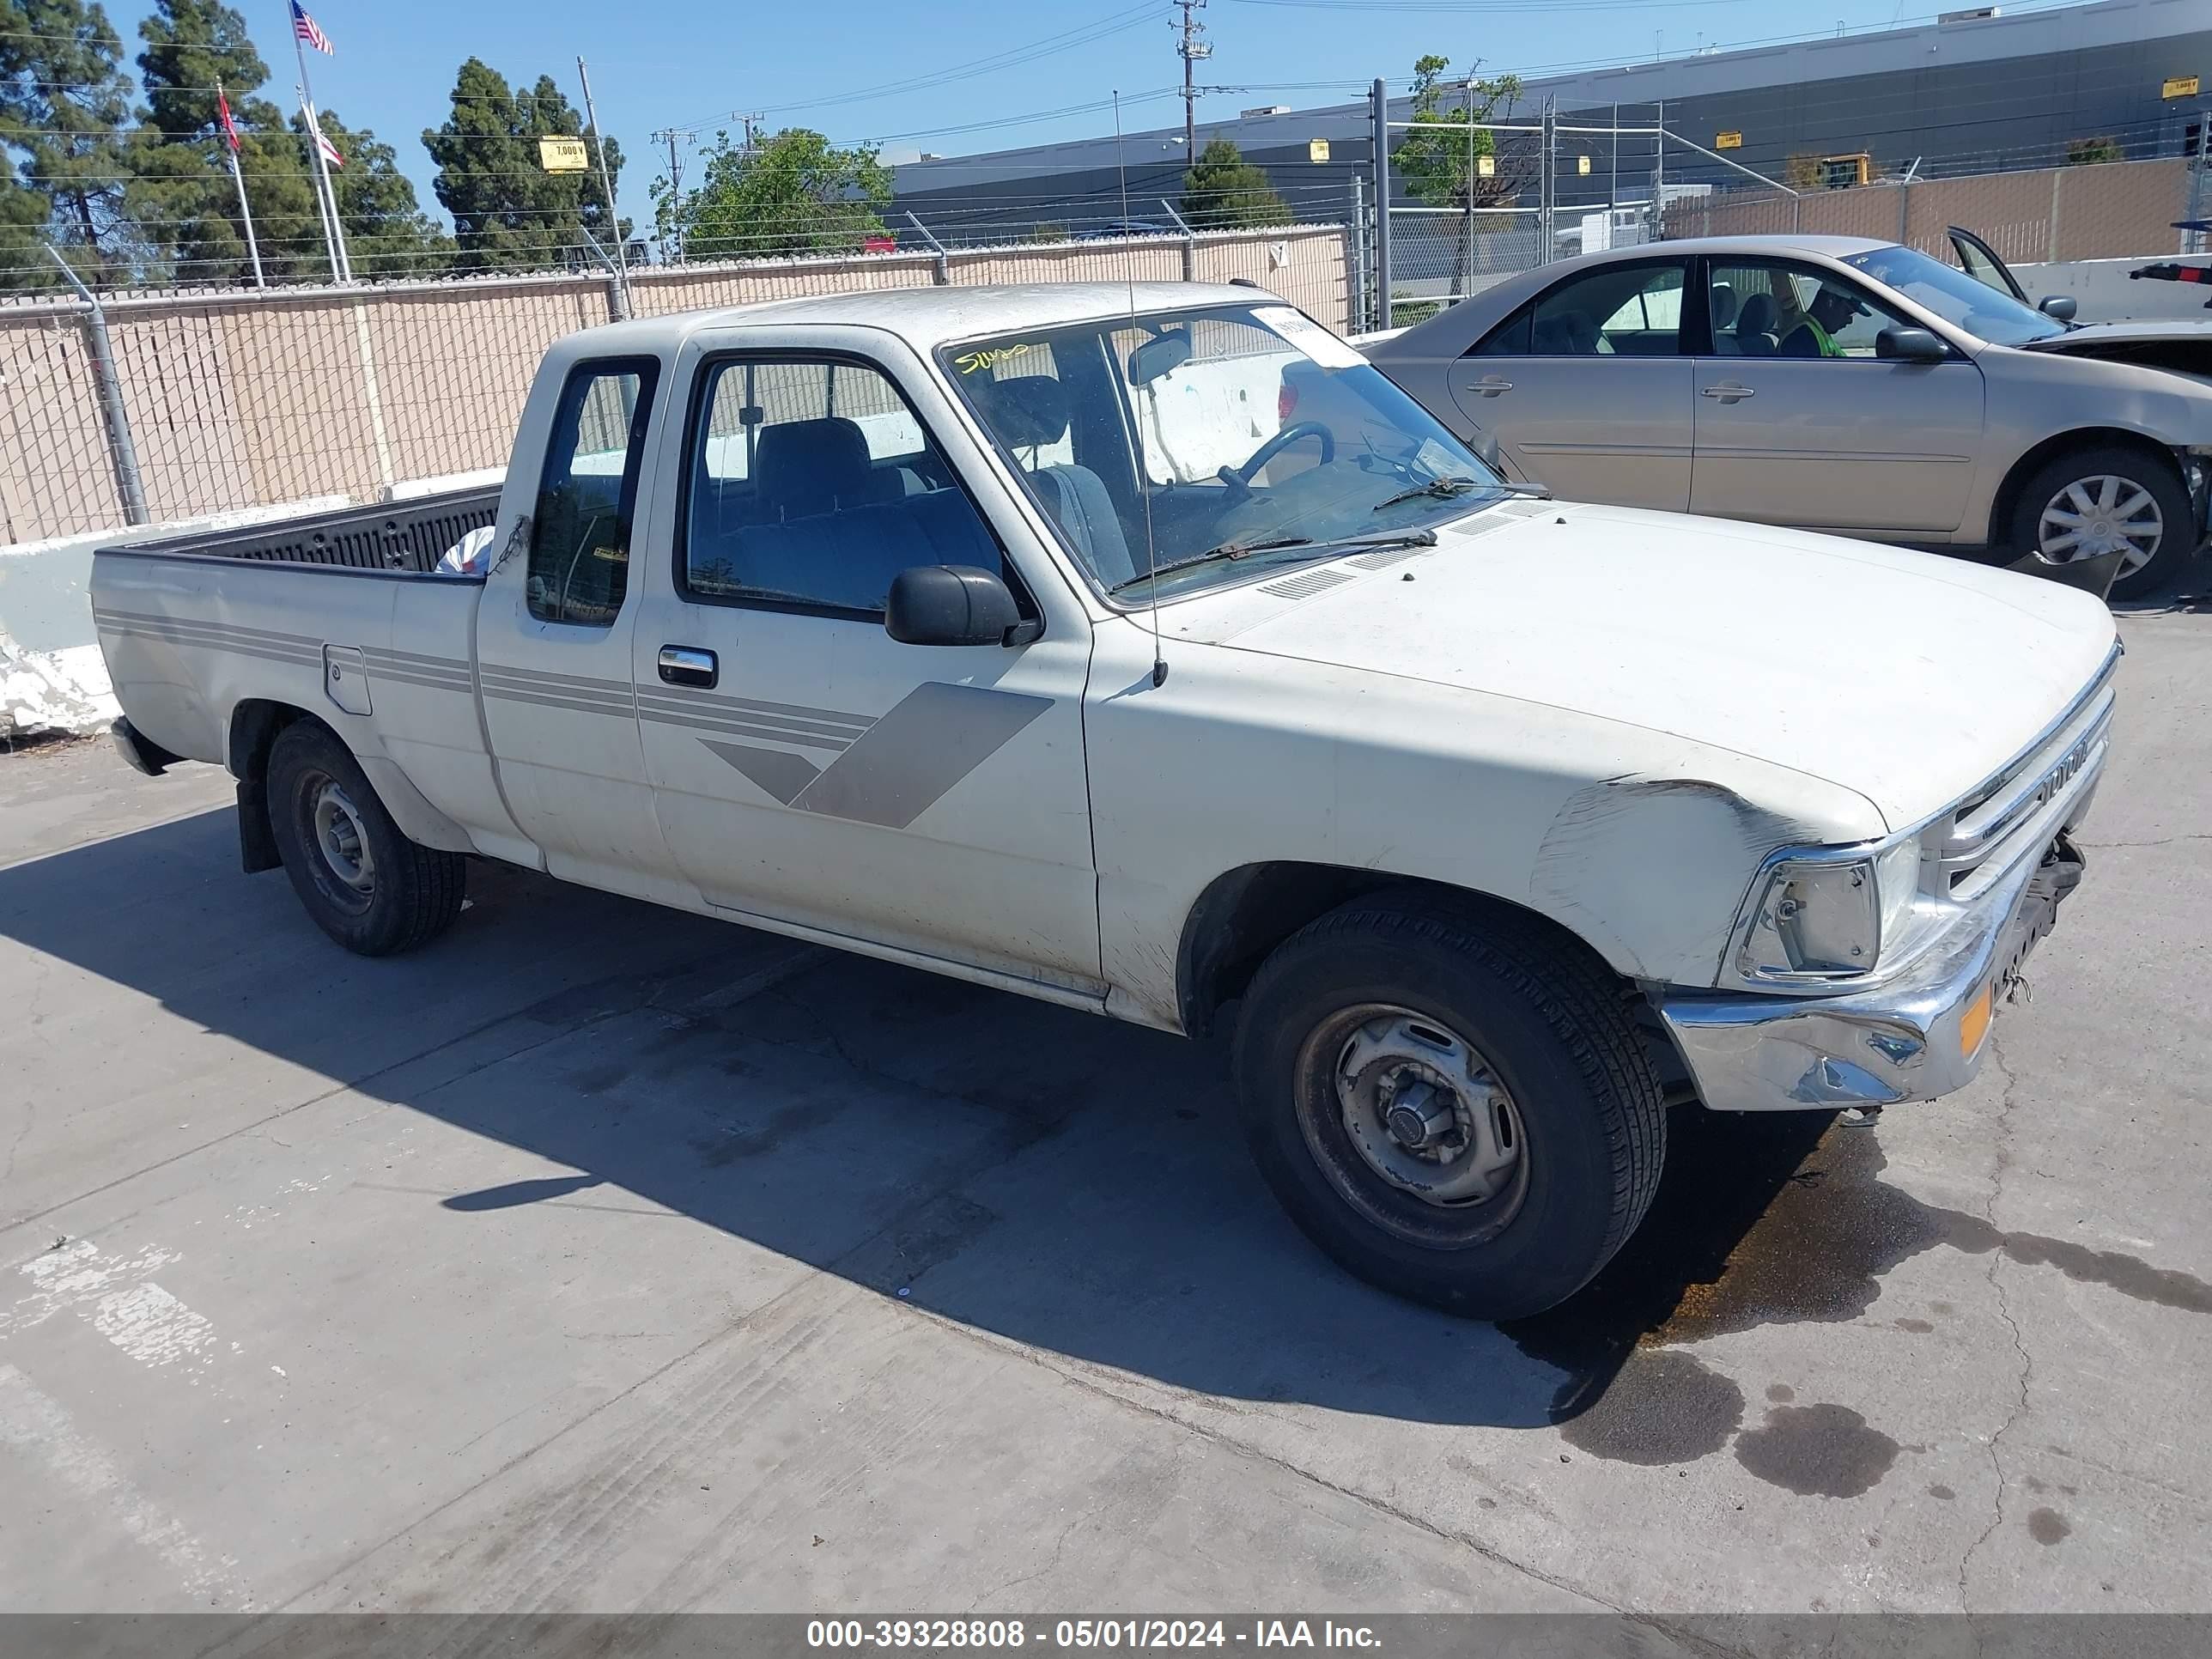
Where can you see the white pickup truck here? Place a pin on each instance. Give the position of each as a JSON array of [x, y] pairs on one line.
[[1031, 635]]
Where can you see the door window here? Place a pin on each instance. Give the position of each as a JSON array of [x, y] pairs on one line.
[[1779, 310], [812, 484], [579, 568], [1615, 311]]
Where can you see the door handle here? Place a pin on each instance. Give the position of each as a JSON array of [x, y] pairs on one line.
[[684, 665], [1492, 387], [1728, 393]]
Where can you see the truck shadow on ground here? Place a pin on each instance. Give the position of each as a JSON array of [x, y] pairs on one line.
[[1054, 1178]]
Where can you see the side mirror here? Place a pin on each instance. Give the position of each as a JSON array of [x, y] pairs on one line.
[[950, 604], [1909, 345], [2058, 307]]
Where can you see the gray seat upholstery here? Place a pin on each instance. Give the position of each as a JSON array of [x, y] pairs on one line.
[[1030, 412], [1755, 325], [808, 467], [847, 558], [1565, 334]]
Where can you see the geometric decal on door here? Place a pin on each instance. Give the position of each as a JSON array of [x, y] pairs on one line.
[[902, 764]]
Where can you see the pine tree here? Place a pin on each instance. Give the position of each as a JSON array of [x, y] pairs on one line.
[[184, 197], [509, 214], [64, 104], [1223, 191]]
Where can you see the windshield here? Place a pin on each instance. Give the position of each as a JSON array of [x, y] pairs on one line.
[[1955, 297], [1220, 441]]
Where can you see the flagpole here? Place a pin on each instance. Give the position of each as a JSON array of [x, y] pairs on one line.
[[341, 270], [322, 185], [245, 212]]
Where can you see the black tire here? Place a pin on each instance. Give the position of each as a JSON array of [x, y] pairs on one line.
[[411, 893], [1554, 1028], [2179, 537]]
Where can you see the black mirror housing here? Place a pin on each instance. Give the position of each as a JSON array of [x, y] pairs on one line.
[[950, 604], [1909, 345], [2059, 308]]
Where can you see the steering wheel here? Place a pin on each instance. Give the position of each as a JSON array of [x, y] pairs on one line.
[[1239, 478]]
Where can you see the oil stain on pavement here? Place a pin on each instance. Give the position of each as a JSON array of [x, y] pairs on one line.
[[1760, 1221]]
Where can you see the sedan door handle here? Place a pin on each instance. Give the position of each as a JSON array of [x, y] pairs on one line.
[[1492, 387], [1729, 393], [684, 665]]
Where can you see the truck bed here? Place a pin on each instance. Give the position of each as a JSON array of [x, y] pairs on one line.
[[392, 537]]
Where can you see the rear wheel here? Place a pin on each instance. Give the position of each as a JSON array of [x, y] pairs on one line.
[[1454, 1105], [2110, 499], [365, 883]]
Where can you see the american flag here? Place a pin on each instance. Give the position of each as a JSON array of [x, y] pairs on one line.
[[308, 30]]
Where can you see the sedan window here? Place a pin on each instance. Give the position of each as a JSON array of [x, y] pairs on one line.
[[1615, 311]]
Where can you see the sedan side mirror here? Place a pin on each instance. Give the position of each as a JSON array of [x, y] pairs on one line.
[[1909, 345], [950, 604], [2060, 307]]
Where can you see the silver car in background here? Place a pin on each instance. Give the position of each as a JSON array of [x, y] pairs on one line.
[[1823, 382]]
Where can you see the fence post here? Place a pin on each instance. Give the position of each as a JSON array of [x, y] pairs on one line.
[[944, 259], [122, 452], [1547, 211], [1189, 242], [1379, 97], [1358, 272], [618, 289], [2057, 174], [1904, 208]]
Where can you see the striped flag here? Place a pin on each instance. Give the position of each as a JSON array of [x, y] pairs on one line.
[[322, 141], [308, 30]]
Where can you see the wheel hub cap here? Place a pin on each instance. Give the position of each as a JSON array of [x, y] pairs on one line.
[[341, 838], [1425, 1110], [2092, 517]]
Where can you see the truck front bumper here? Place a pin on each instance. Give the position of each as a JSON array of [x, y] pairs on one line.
[[1915, 1038]]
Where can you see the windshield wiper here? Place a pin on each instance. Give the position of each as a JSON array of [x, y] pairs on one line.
[[1241, 549], [1447, 488]]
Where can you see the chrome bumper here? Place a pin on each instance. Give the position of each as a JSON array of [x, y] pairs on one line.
[[1910, 1040]]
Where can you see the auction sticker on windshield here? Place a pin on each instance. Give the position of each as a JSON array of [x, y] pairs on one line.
[[1308, 336]]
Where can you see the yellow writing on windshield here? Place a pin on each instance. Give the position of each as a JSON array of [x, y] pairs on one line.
[[967, 363]]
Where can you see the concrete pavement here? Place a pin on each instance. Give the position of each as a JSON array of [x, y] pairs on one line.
[[600, 1257]]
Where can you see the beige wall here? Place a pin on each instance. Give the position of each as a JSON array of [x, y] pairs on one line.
[[238, 400], [2112, 210]]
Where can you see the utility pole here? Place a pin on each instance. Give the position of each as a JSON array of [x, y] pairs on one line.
[[1190, 48], [673, 252]]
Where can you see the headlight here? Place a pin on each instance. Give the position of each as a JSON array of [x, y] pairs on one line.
[[1827, 918]]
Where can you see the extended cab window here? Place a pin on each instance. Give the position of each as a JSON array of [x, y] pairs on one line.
[[579, 567], [812, 484]]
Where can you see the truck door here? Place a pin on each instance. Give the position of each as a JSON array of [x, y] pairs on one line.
[[810, 769], [553, 632]]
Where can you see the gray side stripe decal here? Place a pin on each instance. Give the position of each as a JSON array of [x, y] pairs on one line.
[[576, 707], [557, 681], [903, 764], [747, 729]]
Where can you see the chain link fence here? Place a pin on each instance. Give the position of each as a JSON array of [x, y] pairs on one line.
[[220, 402]]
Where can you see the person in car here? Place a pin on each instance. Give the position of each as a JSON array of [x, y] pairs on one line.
[[1815, 336]]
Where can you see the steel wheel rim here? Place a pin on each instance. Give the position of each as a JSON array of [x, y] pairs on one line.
[[341, 838], [2100, 515], [1412, 1124]]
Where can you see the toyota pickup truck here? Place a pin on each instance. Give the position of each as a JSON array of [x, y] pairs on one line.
[[1029, 636]]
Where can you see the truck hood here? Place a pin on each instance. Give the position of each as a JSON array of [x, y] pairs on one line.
[[1908, 678]]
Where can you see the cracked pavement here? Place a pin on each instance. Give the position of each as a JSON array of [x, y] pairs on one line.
[[606, 1258]]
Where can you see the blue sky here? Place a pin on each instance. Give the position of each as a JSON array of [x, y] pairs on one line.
[[660, 62]]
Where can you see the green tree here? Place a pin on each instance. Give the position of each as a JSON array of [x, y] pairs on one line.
[[183, 196], [792, 192], [1450, 158], [23, 215], [509, 214], [64, 109], [387, 233], [2087, 152], [1222, 191]]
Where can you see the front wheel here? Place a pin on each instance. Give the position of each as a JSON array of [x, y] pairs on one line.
[[365, 883], [1454, 1105], [2110, 499]]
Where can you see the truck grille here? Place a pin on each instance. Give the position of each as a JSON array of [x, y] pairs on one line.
[[2016, 813]]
